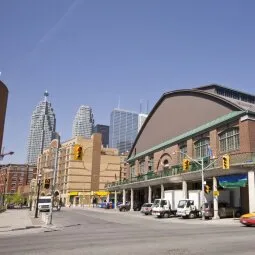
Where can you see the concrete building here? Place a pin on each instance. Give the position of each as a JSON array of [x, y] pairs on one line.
[[104, 130], [3, 105], [83, 123], [202, 124], [123, 129], [77, 181], [42, 130], [15, 176]]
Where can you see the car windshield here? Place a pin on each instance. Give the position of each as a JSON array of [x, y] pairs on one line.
[[156, 203], [44, 200], [147, 205], [182, 203]]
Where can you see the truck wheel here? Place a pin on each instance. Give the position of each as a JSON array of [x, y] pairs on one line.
[[166, 215], [237, 214], [192, 215]]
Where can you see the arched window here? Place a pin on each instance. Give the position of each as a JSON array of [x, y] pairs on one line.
[[166, 163], [229, 140], [201, 148]]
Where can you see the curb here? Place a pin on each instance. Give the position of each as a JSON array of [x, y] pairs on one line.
[[24, 228]]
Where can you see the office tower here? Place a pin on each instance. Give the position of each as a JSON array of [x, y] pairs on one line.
[[83, 123], [42, 130], [104, 130], [123, 129], [141, 118]]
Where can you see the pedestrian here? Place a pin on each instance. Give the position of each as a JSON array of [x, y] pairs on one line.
[[94, 201]]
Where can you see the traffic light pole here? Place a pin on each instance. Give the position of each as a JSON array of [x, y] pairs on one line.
[[203, 189], [53, 185]]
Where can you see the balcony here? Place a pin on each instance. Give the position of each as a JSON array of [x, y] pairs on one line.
[[236, 160]]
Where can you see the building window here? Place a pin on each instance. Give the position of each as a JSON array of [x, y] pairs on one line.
[[201, 148], [229, 140], [132, 171], [141, 167], [151, 164], [183, 150]]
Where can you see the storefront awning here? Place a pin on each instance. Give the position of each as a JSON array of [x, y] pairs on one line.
[[233, 181], [102, 193]]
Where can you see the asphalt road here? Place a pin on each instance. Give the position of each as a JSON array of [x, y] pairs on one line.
[[99, 232]]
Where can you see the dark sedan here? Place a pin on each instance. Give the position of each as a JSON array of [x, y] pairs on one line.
[[127, 206]]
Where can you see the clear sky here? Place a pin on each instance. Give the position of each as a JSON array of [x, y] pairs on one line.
[[93, 52]]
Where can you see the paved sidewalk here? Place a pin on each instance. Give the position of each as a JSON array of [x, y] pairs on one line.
[[17, 219]]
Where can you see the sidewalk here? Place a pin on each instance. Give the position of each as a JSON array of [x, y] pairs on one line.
[[17, 219]]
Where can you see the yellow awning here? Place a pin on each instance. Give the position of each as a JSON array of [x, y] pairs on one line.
[[102, 193], [73, 193]]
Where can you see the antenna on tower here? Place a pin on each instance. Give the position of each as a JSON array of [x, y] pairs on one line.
[[147, 106], [46, 94], [119, 102], [141, 105]]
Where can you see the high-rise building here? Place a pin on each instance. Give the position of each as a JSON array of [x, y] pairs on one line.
[[3, 105], [104, 130], [141, 118], [83, 122], [123, 129], [42, 130]]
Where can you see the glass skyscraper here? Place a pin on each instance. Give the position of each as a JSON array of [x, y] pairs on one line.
[[83, 123], [104, 130], [123, 129], [42, 130]]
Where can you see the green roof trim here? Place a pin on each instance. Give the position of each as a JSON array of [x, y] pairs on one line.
[[190, 133]]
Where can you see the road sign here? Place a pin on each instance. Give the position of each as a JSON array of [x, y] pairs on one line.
[[216, 193]]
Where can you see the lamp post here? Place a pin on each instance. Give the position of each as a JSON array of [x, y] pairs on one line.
[[2, 155], [202, 179], [38, 194]]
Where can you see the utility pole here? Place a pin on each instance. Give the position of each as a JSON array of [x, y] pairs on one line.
[[38, 194], [54, 180]]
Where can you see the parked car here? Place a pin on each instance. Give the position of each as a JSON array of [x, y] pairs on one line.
[[224, 211], [248, 219], [126, 207], [147, 209], [10, 206]]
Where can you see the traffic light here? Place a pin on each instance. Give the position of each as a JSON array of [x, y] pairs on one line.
[[47, 183], [225, 161], [207, 189], [78, 152], [185, 164]]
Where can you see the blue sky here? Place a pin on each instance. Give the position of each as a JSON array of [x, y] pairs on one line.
[[93, 52]]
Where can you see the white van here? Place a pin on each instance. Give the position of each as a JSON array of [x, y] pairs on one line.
[[44, 204]]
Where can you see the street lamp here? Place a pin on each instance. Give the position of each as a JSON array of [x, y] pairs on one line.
[[5, 154], [202, 177], [38, 194]]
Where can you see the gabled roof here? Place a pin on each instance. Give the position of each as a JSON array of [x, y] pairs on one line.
[[203, 128], [205, 94]]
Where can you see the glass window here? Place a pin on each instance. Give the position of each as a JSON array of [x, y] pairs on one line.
[[229, 140], [142, 168], [201, 148], [183, 150]]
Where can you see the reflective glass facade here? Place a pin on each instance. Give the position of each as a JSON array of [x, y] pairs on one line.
[[42, 130], [123, 129]]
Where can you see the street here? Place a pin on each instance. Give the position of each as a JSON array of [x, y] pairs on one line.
[[88, 231]]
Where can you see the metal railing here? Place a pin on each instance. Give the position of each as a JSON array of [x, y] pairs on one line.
[[236, 159]]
